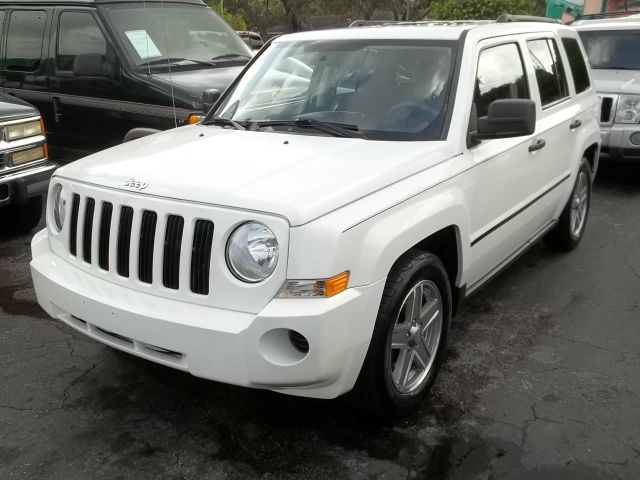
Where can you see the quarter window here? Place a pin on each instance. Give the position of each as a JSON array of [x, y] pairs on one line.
[[79, 34], [549, 72], [24, 40], [500, 77], [577, 64]]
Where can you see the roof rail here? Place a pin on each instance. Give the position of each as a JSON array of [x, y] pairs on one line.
[[506, 18], [424, 23], [616, 14], [371, 23]]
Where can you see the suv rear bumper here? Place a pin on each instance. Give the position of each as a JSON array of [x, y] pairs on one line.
[[223, 345], [616, 143], [18, 187]]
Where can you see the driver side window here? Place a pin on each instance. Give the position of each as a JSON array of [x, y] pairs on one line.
[[501, 76], [78, 34]]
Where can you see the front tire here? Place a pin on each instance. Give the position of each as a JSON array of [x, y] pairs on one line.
[[17, 219], [409, 338], [569, 230]]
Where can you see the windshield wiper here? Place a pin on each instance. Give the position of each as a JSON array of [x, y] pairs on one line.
[[225, 122], [173, 61], [230, 56], [335, 129]]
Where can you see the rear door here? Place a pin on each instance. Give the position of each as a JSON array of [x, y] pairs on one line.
[[24, 70], [87, 105], [558, 120]]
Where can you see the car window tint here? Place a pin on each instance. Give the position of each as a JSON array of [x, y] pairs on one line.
[[612, 49], [24, 40], [549, 71], [500, 76], [78, 34], [577, 64]]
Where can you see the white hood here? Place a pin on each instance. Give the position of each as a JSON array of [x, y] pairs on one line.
[[617, 81], [299, 177]]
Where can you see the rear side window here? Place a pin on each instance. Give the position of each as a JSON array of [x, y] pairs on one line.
[[500, 77], [24, 40], [577, 64], [78, 34], [552, 81]]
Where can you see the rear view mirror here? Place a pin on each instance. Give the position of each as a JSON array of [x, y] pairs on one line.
[[508, 119], [89, 65], [209, 98]]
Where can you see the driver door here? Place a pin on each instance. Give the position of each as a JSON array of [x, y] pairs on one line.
[[85, 91]]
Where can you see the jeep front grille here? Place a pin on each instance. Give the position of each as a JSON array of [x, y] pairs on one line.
[[93, 232], [607, 110]]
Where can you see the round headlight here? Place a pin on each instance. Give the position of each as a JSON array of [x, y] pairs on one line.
[[59, 206], [252, 252]]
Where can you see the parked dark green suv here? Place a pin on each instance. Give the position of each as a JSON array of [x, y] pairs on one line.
[[99, 69]]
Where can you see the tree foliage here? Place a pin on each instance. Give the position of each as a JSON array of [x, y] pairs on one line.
[[235, 19], [295, 15], [480, 9]]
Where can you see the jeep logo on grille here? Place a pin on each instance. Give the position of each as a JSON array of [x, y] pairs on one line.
[[137, 184]]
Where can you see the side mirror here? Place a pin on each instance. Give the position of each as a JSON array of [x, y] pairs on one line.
[[209, 98], [508, 119], [89, 65]]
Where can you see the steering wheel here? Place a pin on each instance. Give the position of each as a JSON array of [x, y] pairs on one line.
[[411, 113]]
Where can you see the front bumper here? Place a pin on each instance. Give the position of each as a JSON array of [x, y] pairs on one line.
[[18, 187], [616, 143], [212, 343]]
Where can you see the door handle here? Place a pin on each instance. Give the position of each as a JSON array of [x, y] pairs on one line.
[[537, 145], [575, 124], [56, 109]]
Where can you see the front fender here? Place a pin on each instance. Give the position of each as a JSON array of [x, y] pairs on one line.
[[370, 247]]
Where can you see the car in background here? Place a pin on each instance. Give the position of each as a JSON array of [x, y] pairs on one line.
[[252, 39], [613, 47], [25, 169], [102, 70]]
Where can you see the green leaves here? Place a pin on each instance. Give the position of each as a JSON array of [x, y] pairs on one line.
[[480, 9]]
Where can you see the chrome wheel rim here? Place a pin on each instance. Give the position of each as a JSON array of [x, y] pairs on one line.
[[579, 205], [416, 337]]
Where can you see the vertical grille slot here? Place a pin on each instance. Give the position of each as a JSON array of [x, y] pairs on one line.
[[145, 251], [171, 260], [124, 240], [201, 256], [73, 231], [607, 108], [88, 229], [105, 231]]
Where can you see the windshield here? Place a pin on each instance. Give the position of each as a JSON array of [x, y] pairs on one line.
[[613, 50], [151, 33], [387, 90]]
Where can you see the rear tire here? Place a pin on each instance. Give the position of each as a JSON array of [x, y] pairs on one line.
[[409, 338], [17, 219], [569, 230]]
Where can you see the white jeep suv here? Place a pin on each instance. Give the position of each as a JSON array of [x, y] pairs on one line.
[[314, 234], [613, 48]]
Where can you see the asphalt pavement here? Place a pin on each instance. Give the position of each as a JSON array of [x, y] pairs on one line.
[[542, 382]]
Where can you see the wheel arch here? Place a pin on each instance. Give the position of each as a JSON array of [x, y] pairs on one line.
[[592, 154], [437, 224]]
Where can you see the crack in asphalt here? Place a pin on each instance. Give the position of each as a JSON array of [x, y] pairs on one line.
[[86, 372], [589, 344]]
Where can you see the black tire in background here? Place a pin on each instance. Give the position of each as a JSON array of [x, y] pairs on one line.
[[17, 219], [376, 390]]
